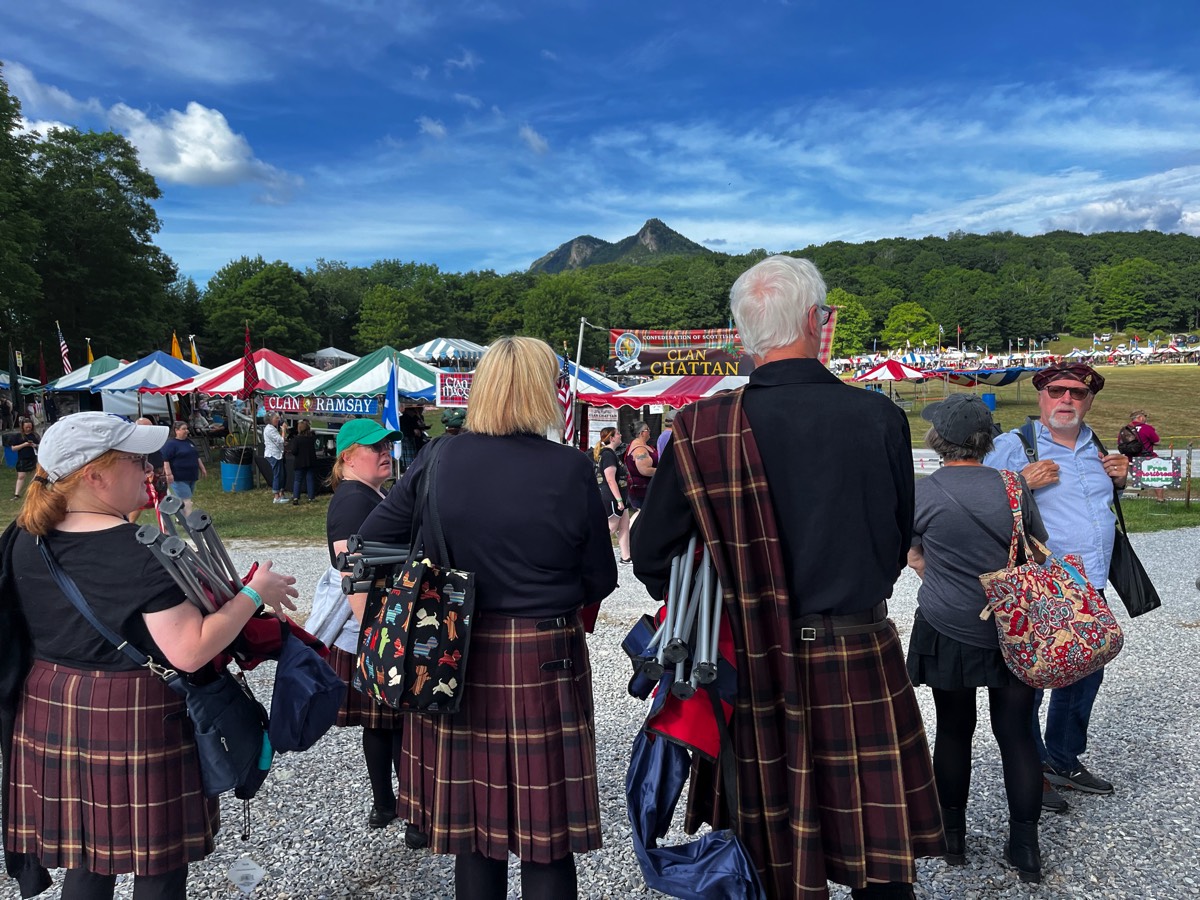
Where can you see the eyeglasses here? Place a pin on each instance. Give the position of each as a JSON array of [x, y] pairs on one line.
[[381, 447], [1077, 394], [141, 460]]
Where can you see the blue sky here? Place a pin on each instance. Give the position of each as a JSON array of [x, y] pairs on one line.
[[480, 135]]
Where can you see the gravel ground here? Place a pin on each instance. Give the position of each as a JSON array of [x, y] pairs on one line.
[[309, 821]]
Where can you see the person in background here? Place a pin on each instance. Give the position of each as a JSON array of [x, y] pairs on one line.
[[303, 447], [453, 420], [1149, 438], [25, 443], [157, 486], [514, 770], [641, 461], [613, 483], [274, 436], [962, 528], [834, 780], [665, 437], [103, 777], [183, 465], [363, 464], [1073, 484], [413, 434]]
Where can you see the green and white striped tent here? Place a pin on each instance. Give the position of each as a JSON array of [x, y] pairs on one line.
[[368, 377]]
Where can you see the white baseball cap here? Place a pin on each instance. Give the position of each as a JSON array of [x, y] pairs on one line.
[[74, 441]]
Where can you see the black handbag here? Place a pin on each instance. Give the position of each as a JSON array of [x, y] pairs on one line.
[[1127, 573], [230, 725], [415, 638]]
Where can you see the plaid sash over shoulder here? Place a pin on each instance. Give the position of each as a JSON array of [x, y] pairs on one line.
[[801, 797]]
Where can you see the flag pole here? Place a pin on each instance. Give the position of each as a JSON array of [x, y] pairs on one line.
[[578, 355]]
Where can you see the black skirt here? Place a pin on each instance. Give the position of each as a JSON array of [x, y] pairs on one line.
[[947, 664]]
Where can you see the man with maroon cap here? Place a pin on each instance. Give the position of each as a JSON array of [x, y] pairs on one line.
[[1073, 482]]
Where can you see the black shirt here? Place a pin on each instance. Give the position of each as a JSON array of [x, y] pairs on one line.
[[608, 460], [303, 448], [118, 577], [838, 462], [352, 502], [519, 511]]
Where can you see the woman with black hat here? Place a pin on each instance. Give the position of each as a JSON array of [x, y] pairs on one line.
[[962, 527]]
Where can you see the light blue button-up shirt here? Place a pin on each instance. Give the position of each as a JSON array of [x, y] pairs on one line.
[[1075, 508]]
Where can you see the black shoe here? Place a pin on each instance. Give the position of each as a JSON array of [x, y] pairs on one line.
[[380, 818], [295, 501], [415, 838], [1052, 800], [954, 823], [1080, 779], [1021, 851]]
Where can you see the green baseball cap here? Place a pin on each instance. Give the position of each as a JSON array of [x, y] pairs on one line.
[[362, 431]]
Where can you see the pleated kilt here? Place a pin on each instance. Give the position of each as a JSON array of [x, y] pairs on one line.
[[357, 707], [862, 805], [105, 774], [514, 770]]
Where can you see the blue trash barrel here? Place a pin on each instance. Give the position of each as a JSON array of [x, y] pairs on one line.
[[237, 469], [10, 457], [989, 400]]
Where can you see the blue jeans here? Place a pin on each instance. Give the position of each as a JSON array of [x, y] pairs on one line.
[[1066, 722], [309, 477], [277, 474]]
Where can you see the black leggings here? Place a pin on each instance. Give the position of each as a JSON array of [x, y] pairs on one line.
[[80, 884], [1011, 708], [478, 878], [381, 748]]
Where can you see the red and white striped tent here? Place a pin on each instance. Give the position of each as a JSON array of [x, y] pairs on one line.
[[274, 370], [893, 370], [676, 391]]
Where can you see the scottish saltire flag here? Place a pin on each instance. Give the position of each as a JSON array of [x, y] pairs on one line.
[[62, 346], [564, 400], [391, 401]]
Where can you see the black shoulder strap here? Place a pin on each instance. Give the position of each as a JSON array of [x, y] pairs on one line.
[[1028, 435], [427, 507], [1004, 541]]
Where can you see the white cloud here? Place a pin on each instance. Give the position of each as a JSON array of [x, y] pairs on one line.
[[466, 61], [532, 139], [44, 99], [431, 127], [468, 100], [420, 72], [41, 126], [550, 55]]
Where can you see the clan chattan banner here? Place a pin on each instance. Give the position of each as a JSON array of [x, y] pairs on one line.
[[696, 351]]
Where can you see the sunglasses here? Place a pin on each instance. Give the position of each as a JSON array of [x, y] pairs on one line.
[[1077, 394], [380, 447], [141, 460], [826, 312]]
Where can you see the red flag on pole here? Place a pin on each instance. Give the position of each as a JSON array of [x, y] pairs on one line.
[[249, 372]]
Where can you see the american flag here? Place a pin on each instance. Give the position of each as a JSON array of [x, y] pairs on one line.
[[564, 400], [62, 346], [249, 370]]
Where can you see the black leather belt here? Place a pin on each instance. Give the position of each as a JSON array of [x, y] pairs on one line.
[[556, 665], [809, 628]]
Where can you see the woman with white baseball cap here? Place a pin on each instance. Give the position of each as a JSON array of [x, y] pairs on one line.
[[103, 777]]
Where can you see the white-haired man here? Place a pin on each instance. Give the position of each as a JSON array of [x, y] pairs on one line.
[[833, 775]]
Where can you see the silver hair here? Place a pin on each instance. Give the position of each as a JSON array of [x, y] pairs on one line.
[[770, 302], [638, 427]]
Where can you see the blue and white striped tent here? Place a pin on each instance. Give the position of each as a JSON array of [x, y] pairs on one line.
[[156, 370], [590, 382], [447, 350]]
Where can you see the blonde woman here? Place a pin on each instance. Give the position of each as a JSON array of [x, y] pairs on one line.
[[104, 777], [514, 771], [613, 488]]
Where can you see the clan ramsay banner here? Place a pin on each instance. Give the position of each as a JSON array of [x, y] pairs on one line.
[[453, 389], [318, 406], [704, 351]]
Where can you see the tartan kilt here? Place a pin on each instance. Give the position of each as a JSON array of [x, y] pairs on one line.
[[105, 774], [863, 804], [514, 770], [357, 707]]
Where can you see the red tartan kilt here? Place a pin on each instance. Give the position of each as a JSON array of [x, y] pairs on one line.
[[515, 769], [866, 772], [105, 774], [357, 707]]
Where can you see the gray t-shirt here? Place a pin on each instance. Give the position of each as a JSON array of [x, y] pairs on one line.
[[957, 550]]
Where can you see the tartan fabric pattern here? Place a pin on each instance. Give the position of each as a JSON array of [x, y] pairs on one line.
[[834, 777], [105, 774], [357, 707], [514, 770]]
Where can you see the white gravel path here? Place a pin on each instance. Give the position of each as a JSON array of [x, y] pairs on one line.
[[309, 822]]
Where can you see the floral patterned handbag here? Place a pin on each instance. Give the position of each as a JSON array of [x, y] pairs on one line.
[[1054, 627]]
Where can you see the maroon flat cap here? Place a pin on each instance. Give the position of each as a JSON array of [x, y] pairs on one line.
[[1081, 372]]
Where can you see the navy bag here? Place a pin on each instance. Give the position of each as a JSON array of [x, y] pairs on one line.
[[306, 697]]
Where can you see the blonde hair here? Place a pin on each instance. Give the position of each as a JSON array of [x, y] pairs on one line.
[[513, 391], [605, 434], [46, 505]]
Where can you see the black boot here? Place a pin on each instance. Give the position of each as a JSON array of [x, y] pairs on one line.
[[1021, 851], [954, 823]]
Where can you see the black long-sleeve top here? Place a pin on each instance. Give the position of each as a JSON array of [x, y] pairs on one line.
[[519, 511], [838, 462]]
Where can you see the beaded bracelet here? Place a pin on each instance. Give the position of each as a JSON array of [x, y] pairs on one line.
[[253, 595]]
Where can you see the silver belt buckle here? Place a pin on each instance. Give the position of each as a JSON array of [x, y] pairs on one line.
[[808, 634]]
